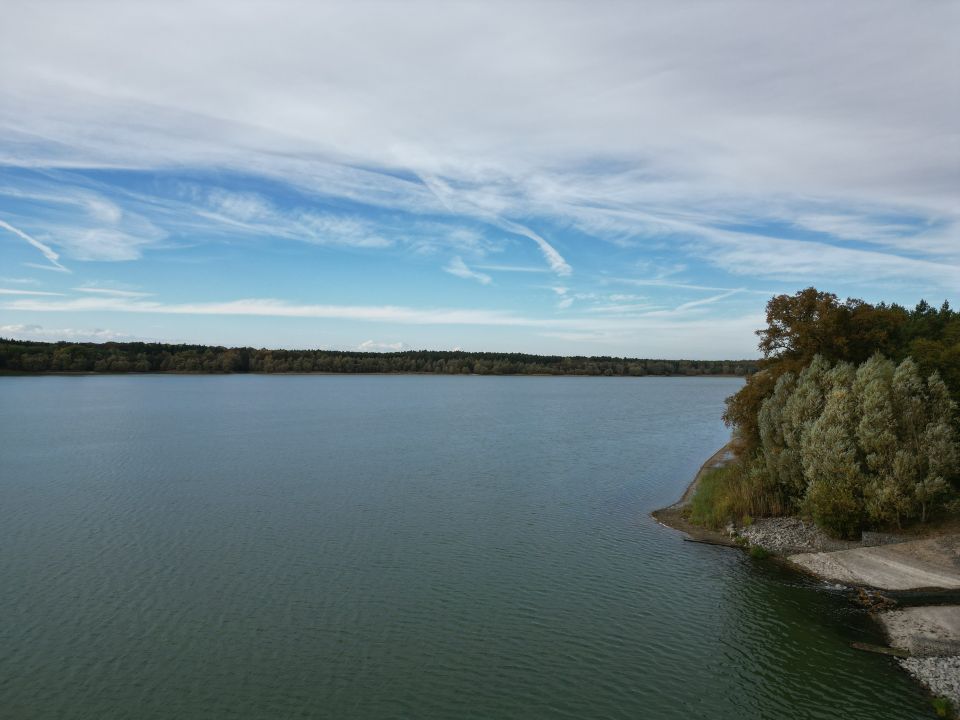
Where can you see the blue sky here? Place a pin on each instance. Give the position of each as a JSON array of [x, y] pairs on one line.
[[578, 178]]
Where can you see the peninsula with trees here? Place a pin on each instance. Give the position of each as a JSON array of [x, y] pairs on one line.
[[851, 420]]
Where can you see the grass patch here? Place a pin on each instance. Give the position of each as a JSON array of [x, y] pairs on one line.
[[710, 505], [738, 491], [759, 553], [942, 707], [725, 494]]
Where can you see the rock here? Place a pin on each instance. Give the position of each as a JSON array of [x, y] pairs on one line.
[[940, 675], [789, 535], [873, 601]]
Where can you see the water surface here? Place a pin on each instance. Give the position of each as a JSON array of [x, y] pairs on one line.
[[394, 547]]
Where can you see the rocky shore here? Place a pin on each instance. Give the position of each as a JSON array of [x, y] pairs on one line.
[[787, 536], [925, 639], [878, 565], [940, 675]]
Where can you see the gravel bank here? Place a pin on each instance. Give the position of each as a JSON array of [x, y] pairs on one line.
[[790, 535], [940, 675]]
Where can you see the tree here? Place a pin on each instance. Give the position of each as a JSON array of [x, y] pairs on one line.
[[772, 426], [812, 322], [802, 409], [877, 438], [834, 495], [938, 453]]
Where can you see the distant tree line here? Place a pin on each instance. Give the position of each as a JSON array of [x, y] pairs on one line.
[[851, 419], [134, 357]]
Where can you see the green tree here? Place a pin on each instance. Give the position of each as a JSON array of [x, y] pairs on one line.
[[876, 435], [834, 494]]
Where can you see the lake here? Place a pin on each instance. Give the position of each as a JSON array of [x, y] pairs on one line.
[[395, 547]]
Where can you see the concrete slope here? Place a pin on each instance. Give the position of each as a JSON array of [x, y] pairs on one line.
[[930, 563]]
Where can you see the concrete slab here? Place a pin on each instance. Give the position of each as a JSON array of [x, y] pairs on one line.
[[930, 563]]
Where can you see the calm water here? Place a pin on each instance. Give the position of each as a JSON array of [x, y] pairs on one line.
[[394, 547]]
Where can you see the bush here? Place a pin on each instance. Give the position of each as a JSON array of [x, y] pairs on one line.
[[942, 707], [736, 492], [710, 505]]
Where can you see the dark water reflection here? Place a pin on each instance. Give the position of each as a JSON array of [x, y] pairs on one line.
[[394, 547]]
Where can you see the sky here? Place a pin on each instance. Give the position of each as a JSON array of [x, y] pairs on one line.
[[601, 178]]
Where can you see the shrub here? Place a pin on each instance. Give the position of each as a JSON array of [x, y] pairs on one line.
[[710, 505], [740, 490], [942, 707]]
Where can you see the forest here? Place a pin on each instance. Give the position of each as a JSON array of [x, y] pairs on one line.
[[850, 421], [20, 356]]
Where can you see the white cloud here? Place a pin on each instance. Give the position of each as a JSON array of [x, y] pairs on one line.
[[625, 308], [42, 334], [240, 206], [105, 243], [331, 229], [373, 346], [641, 282], [458, 267], [706, 301], [50, 268], [491, 207], [795, 260], [112, 292], [82, 223], [643, 125], [675, 86], [514, 268], [855, 226], [650, 334], [554, 259], [18, 291], [720, 338], [269, 307], [52, 256], [233, 212]]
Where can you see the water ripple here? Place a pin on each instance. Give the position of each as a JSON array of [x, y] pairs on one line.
[[394, 547]]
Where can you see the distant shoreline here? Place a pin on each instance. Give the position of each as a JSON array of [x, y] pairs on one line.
[[87, 373], [22, 356]]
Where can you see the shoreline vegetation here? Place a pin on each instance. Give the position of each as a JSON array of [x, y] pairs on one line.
[[29, 357], [845, 464]]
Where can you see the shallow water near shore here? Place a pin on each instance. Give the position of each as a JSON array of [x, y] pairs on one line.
[[395, 547]]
